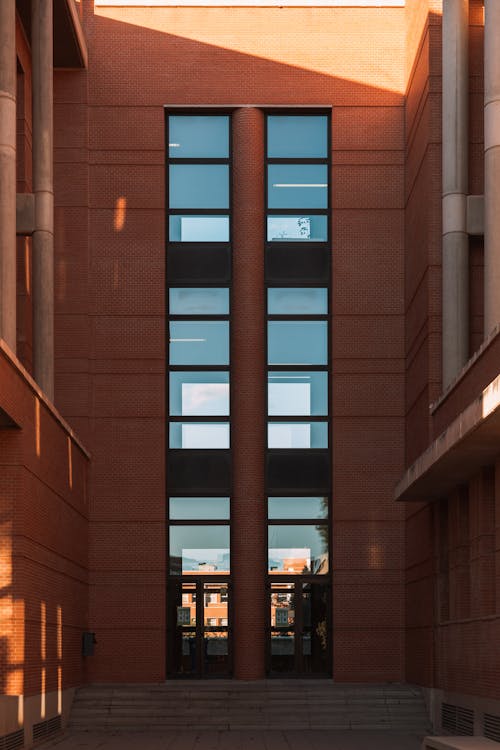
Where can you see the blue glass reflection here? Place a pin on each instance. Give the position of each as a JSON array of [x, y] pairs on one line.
[[199, 394], [297, 301], [297, 394], [199, 435], [297, 507], [198, 508], [297, 136], [198, 136], [302, 228], [199, 549], [198, 228], [199, 342], [297, 186], [300, 435], [297, 342], [199, 301], [298, 549], [199, 186]]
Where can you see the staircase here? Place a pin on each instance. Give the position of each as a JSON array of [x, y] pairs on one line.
[[264, 704]]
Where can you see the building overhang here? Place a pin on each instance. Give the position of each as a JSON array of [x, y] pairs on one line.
[[70, 47], [471, 441]]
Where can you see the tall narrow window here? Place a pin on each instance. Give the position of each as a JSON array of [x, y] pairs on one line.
[[297, 378], [198, 178], [297, 178], [198, 393], [199, 203], [298, 266]]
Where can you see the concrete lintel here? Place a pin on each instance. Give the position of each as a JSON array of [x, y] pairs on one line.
[[475, 214], [25, 214], [471, 441]]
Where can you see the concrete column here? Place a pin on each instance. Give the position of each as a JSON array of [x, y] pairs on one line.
[[248, 369], [8, 84], [491, 165], [455, 188], [43, 188]]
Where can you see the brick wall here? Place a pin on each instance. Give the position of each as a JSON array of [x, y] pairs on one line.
[[43, 510], [110, 321]]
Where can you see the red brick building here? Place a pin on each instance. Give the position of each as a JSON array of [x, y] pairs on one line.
[[267, 330]]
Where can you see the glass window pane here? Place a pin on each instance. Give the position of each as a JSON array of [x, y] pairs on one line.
[[199, 394], [199, 228], [199, 342], [297, 229], [297, 507], [199, 549], [297, 301], [297, 342], [199, 186], [197, 435], [297, 394], [298, 549], [198, 137], [297, 186], [297, 136], [199, 301], [297, 435], [199, 508]]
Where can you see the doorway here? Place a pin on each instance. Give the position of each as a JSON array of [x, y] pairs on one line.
[[299, 642], [199, 624]]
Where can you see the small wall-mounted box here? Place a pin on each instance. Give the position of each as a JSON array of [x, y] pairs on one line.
[[88, 642]]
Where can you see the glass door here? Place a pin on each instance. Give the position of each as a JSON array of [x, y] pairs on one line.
[[299, 628], [199, 622], [215, 629]]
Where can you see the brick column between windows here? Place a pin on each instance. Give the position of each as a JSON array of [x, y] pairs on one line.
[[249, 538]]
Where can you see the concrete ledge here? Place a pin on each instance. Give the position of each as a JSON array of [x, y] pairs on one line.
[[458, 743], [471, 441], [8, 355], [76, 28]]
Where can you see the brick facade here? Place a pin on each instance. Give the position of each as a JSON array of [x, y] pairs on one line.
[[416, 586]]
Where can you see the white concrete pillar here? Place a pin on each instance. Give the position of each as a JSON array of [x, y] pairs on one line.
[[491, 165], [43, 188], [455, 139], [8, 85]]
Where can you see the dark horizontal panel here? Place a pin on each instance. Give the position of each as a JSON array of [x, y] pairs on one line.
[[300, 264], [198, 265], [199, 471], [294, 470]]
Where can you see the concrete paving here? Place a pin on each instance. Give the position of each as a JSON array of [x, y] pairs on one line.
[[309, 739]]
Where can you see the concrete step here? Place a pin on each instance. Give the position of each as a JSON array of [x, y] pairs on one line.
[[269, 704]]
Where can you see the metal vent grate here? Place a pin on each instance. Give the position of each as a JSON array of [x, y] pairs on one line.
[[45, 728], [12, 741], [457, 720], [491, 728]]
